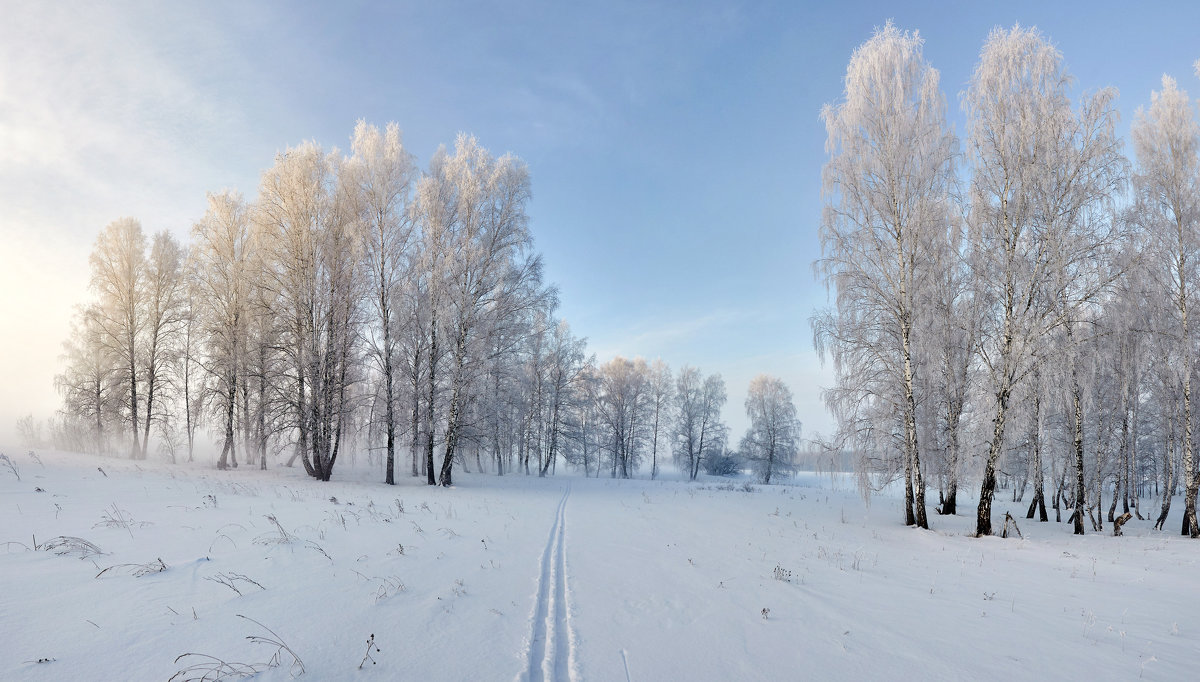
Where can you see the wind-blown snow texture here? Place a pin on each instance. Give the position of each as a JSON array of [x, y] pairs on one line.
[[583, 579]]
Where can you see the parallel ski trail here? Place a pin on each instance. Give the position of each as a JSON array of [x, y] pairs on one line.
[[550, 640]]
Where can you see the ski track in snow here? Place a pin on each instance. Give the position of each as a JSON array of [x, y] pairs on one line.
[[551, 656]]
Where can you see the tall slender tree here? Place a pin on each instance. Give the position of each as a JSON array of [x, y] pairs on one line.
[[662, 390], [487, 232], [565, 364], [164, 300], [220, 257], [1039, 170], [887, 190], [118, 281], [308, 213], [1166, 139], [385, 173]]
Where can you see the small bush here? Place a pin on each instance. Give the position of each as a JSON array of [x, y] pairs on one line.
[[722, 465]]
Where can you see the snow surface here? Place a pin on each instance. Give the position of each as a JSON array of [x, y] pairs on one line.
[[564, 578]]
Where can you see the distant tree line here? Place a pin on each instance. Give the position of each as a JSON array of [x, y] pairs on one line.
[[1018, 309], [360, 304]]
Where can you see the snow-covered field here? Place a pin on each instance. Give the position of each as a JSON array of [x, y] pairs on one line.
[[562, 578]]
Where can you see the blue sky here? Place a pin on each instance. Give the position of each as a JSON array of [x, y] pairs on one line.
[[675, 148]]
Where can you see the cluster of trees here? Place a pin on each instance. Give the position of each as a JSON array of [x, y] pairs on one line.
[[1018, 309], [361, 304]]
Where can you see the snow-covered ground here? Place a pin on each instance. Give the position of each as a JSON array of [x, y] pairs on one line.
[[560, 578]]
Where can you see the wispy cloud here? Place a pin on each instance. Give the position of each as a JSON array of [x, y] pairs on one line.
[[663, 337], [101, 109]]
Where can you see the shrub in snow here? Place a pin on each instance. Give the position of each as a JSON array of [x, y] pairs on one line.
[[728, 464]]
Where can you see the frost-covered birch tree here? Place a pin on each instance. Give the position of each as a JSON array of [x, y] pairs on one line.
[[621, 401], [118, 280], [887, 191], [487, 233], [436, 205], [698, 429], [89, 384], [1166, 139], [308, 215], [221, 244], [662, 390], [1039, 172], [518, 343], [948, 337], [384, 174], [773, 438], [189, 356], [412, 311], [163, 308], [566, 362]]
